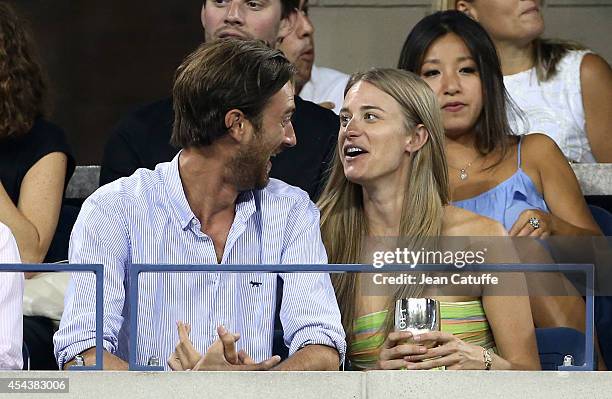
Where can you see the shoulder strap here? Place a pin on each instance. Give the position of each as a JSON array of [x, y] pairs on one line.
[[518, 152]]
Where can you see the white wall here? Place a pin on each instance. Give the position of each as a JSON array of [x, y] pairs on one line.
[[320, 385]]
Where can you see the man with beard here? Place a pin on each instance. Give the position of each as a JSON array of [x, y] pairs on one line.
[[214, 203], [324, 86], [141, 140]]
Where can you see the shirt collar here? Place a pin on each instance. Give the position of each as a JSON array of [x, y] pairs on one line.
[[314, 75], [176, 194], [246, 204]]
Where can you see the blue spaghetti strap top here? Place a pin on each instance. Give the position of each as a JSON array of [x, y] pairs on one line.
[[506, 201]]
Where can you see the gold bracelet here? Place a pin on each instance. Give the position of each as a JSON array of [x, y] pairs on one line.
[[488, 360]]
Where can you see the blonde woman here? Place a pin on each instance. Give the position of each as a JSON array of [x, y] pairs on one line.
[[541, 77], [389, 179]]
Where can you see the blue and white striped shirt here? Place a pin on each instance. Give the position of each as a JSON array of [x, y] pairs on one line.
[[145, 218], [11, 301]]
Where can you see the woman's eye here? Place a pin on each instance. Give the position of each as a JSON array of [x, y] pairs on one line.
[[468, 70], [369, 116], [429, 73], [286, 121]]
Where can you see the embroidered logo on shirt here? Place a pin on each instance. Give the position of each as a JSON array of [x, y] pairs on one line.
[[255, 284]]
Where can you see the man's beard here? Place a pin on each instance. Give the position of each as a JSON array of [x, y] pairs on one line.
[[249, 168]]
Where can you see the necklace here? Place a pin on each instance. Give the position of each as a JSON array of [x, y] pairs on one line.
[[463, 174]]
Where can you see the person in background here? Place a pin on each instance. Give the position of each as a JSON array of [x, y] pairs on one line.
[[389, 179], [523, 182], [35, 166], [324, 86], [35, 160], [11, 296], [564, 90], [214, 203], [142, 139]]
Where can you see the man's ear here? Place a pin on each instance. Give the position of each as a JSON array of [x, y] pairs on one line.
[[287, 25], [467, 8], [417, 140], [236, 124]]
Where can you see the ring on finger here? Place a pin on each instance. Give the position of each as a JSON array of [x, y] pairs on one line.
[[534, 222]]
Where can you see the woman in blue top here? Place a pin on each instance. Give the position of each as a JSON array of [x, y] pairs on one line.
[[523, 182], [526, 184]]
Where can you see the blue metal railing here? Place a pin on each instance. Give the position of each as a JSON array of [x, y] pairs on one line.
[[99, 272], [136, 269]]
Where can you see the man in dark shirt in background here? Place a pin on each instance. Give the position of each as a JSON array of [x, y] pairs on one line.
[[142, 139]]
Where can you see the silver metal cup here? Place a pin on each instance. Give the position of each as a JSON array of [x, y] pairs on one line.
[[417, 315], [153, 361]]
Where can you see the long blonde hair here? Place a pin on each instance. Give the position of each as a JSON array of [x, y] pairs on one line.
[[546, 52], [343, 224]]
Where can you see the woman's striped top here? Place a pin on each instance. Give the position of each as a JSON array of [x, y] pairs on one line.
[[466, 320]]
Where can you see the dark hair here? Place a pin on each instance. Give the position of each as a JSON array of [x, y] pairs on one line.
[[220, 76], [289, 6], [21, 84], [492, 127]]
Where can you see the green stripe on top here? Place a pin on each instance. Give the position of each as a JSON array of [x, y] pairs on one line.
[[466, 320]]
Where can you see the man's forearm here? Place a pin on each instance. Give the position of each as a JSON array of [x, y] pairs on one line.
[[110, 361], [312, 358]]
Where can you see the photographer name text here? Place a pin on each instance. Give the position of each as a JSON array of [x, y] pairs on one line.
[[423, 279]]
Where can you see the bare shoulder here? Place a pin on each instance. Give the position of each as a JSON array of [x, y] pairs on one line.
[[460, 222], [594, 69], [535, 143], [596, 86], [540, 151]]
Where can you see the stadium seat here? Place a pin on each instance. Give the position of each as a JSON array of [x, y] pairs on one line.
[[555, 343], [603, 326], [603, 304], [58, 249], [603, 219]]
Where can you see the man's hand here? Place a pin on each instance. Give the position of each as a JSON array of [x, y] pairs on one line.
[[185, 355], [221, 355]]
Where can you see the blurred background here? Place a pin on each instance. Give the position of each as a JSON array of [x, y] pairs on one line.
[[103, 59]]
